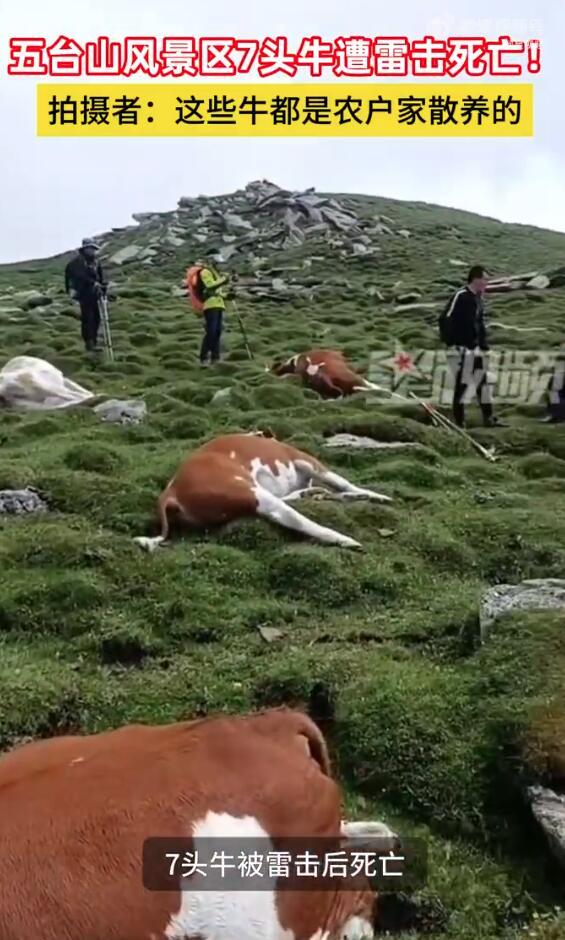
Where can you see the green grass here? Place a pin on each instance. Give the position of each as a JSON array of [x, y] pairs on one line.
[[426, 727]]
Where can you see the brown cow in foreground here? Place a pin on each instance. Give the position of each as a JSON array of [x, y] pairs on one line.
[[76, 811], [326, 371], [244, 475]]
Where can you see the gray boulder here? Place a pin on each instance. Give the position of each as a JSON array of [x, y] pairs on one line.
[[539, 282], [129, 253], [21, 502], [233, 221], [173, 240], [116, 411], [548, 809], [537, 594]]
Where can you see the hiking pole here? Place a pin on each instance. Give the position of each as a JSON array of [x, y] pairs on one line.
[[104, 319], [242, 328], [438, 418]]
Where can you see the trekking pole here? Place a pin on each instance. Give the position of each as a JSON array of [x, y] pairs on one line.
[[107, 336], [242, 328]]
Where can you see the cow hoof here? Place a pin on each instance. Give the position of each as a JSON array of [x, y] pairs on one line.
[[351, 543]]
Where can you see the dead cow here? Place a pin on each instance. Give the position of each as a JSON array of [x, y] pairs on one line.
[[326, 371], [77, 810], [244, 475]]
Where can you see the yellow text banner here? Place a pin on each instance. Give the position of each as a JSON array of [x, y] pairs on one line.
[[291, 110]]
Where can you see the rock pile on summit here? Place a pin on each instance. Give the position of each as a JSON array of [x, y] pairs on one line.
[[263, 217], [251, 229]]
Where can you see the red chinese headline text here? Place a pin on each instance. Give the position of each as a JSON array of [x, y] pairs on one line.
[[352, 56]]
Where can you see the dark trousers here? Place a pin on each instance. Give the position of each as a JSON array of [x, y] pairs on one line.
[[470, 378], [213, 325], [90, 321]]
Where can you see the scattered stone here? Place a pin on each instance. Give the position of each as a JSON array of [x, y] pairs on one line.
[[409, 298], [381, 229], [416, 308], [367, 443], [360, 249], [535, 594], [20, 502], [270, 634], [129, 253], [173, 240], [233, 221], [539, 282], [221, 395], [178, 291], [142, 217], [116, 411], [548, 809], [226, 253], [457, 264], [404, 232]]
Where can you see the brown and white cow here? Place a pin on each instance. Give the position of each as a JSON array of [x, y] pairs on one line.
[[324, 370], [77, 810], [243, 475]]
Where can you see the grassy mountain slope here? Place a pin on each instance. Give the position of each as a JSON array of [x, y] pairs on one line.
[[427, 728]]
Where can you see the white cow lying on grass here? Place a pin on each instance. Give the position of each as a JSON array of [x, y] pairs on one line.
[[36, 385]]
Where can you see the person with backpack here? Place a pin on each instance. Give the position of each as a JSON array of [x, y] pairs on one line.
[[84, 281], [462, 329], [205, 291]]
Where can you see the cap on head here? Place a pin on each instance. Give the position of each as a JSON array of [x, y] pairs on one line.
[[90, 243]]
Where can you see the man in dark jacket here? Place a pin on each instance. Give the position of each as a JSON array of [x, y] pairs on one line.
[[467, 346], [84, 280]]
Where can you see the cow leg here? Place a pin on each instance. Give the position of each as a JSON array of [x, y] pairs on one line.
[[275, 509], [335, 482], [300, 494]]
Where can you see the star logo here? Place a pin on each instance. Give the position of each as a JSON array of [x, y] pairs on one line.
[[403, 362]]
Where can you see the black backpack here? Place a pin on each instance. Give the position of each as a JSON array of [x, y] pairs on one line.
[[445, 324]]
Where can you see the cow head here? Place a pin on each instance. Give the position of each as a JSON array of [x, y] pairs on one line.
[[362, 898], [284, 366]]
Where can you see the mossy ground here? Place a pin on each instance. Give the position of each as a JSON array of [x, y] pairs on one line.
[[427, 728]]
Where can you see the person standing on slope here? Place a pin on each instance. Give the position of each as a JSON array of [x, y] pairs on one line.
[[213, 308], [462, 329], [84, 280]]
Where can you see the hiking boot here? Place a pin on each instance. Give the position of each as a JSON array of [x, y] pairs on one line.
[[204, 364], [495, 423]]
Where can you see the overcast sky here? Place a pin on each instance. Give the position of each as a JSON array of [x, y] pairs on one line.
[[54, 192]]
